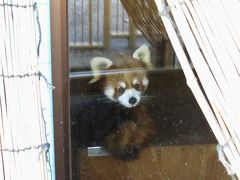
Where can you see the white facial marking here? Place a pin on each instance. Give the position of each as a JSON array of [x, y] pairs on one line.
[[145, 81], [135, 81], [122, 84], [129, 93], [109, 92]]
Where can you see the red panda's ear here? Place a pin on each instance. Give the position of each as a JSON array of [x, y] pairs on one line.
[[97, 65], [144, 55]]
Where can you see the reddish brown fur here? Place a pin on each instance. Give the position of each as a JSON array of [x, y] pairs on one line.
[[131, 136], [134, 133], [136, 70]]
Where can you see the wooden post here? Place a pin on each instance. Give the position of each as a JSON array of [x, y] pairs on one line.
[[160, 53], [107, 24], [169, 54], [132, 35]]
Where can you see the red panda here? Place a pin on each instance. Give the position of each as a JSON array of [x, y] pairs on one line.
[[125, 86]]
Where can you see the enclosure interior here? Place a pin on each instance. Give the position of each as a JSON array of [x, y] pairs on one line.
[[178, 118]]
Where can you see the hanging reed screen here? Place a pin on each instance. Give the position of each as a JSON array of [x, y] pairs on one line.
[[209, 31], [23, 144]]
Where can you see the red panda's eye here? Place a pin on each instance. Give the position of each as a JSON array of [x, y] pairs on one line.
[[121, 90], [136, 86]]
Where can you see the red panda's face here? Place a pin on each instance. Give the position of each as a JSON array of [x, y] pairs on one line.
[[129, 79], [126, 88]]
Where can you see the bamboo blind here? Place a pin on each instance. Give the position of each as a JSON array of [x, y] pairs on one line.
[[209, 30], [23, 144], [144, 14]]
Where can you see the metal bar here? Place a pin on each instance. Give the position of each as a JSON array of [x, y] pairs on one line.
[[117, 14], [75, 26], [82, 23], [81, 74], [107, 25], [98, 21], [82, 46], [124, 35], [90, 21], [123, 16], [97, 151]]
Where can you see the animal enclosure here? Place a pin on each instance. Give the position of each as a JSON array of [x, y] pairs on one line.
[[101, 33]]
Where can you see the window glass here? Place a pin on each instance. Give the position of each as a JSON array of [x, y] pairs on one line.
[[132, 114]]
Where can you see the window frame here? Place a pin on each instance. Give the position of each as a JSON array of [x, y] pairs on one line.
[[61, 93]]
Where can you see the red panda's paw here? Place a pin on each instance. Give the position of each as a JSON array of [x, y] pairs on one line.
[[130, 152], [120, 143], [127, 152]]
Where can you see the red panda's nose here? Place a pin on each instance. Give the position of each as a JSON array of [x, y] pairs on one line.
[[132, 100]]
